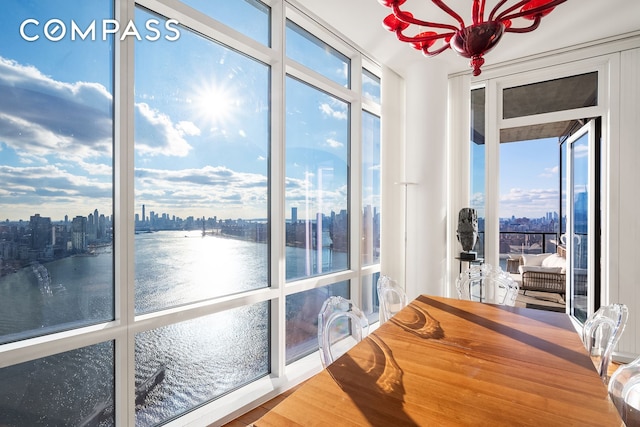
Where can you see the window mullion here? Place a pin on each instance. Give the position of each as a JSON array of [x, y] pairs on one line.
[[123, 250], [277, 192]]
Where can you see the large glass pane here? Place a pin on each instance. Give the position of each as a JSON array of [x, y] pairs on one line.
[[315, 54], [181, 366], [75, 388], [477, 163], [579, 232], [370, 86], [553, 95], [302, 318], [250, 17], [201, 164], [317, 146], [370, 189], [56, 148]]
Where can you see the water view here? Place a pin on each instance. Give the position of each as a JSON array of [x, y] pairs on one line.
[[190, 363]]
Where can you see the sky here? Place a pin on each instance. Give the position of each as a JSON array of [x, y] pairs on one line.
[[201, 119], [529, 178]]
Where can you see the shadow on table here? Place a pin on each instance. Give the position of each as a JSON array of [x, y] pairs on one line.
[[372, 380]]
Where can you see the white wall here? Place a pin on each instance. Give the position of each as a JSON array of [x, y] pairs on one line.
[[625, 204]]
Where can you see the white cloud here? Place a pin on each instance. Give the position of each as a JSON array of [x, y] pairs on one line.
[[530, 203], [156, 134], [187, 191], [188, 128], [550, 172], [334, 144], [337, 113], [581, 151], [62, 135], [71, 120], [51, 186]]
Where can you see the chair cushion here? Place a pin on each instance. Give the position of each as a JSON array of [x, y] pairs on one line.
[[534, 259], [555, 261]]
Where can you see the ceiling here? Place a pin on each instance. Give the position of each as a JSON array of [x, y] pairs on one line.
[[571, 23]]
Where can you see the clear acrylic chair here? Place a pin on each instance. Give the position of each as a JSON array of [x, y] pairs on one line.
[[624, 390], [341, 324], [488, 284], [391, 296], [601, 332]]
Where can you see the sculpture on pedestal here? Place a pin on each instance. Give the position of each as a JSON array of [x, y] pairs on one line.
[[467, 232]]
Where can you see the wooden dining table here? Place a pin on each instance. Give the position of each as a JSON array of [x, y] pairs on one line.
[[449, 362]]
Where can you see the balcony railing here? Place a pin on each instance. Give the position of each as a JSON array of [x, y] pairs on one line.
[[515, 243], [527, 242]]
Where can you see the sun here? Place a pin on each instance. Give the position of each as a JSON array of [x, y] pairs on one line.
[[215, 104]]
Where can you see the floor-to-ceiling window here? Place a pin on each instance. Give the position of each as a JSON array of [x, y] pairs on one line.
[[181, 193]]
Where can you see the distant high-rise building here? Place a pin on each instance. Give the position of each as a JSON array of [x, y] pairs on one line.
[[40, 231], [79, 233], [144, 218], [294, 215]]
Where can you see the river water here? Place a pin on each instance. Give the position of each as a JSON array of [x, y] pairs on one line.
[[199, 359]]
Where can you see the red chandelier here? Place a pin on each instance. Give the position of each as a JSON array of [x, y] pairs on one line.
[[471, 41]]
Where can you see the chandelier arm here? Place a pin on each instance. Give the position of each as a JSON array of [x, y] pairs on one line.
[[404, 17], [417, 39], [502, 16], [495, 9], [533, 26], [481, 12], [534, 11], [450, 11], [426, 52], [475, 11]]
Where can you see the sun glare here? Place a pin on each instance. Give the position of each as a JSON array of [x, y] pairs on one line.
[[215, 104]]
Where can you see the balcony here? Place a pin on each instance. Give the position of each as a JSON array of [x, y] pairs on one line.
[[513, 244]]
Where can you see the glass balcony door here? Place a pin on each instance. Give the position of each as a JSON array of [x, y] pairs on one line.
[[581, 239]]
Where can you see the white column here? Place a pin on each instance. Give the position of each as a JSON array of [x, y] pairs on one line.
[[426, 165]]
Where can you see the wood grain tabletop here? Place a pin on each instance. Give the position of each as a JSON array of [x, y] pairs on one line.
[[448, 362]]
